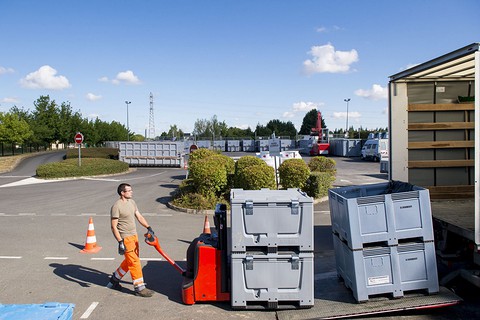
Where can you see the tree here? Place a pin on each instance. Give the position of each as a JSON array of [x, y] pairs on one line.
[[262, 131], [210, 128], [45, 120], [282, 128], [310, 121], [13, 129]]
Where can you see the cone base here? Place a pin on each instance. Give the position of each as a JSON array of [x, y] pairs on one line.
[[92, 250]]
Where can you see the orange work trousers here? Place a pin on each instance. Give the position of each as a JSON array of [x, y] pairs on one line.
[[131, 263]]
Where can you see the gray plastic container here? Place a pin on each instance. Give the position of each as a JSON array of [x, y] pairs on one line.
[[152, 153], [233, 145], [383, 212], [272, 280], [271, 218], [387, 270], [248, 145]]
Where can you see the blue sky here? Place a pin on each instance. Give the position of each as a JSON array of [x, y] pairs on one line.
[[246, 62]]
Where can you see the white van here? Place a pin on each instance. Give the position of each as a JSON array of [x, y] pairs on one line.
[[370, 150]]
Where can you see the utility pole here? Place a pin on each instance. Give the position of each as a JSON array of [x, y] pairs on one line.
[[151, 122]]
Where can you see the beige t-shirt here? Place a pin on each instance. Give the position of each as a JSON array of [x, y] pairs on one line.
[[124, 211]]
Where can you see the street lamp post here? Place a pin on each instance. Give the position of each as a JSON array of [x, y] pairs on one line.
[[128, 127], [346, 126]]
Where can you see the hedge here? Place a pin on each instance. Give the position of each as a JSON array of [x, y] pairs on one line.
[[89, 167], [318, 183], [293, 173], [255, 177], [322, 164]]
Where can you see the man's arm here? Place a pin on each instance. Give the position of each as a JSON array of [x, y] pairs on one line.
[[141, 219], [116, 234]]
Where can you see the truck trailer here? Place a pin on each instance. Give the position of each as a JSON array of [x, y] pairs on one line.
[[434, 125]]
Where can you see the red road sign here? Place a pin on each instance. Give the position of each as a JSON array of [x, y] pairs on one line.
[[78, 138]]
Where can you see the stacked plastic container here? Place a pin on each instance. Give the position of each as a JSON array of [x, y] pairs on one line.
[[383, 239], [271, 248]]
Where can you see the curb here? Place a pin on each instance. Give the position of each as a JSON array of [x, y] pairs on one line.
[[191, 211]]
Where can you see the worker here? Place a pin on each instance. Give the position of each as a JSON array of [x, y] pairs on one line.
[[122, 215]]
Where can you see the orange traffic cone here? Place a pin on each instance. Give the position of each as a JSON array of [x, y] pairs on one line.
[[206, 226], [91, 242]]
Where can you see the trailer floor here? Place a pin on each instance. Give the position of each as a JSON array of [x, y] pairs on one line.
[[334, 301]]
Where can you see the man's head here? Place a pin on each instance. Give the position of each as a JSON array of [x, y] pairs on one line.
[[124, 189]]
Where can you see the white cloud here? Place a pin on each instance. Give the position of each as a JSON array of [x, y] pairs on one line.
[[377, 92], [343, 115], [321, 29], [4, 70], [45, 78], [301, 106], [103, 79], [126, 77], [306, 106], [326, 59], [288, 114], [93, 97], [242, 126], [9, 100]]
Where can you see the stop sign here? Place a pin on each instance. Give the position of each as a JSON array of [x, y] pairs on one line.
[[78, 138]]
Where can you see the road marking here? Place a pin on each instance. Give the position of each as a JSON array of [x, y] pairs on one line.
[[58, 214], [88, 214], [55, 258], [151, 259], [89, 311], [27, 181], [150, 214], [27, 214], [100, 179], [102, 259], [10, 257]]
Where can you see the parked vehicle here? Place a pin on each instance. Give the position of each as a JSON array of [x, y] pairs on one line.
[[370, 150]]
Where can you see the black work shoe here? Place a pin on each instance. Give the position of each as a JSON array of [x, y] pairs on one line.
[[115, 286], [146, 293]]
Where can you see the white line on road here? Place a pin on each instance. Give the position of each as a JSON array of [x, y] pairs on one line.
[[55, 258], [27, 214], [151, 259], [10, 257], [322, 212], [90, 309], [88, 214], [100, 179], [103, 259]]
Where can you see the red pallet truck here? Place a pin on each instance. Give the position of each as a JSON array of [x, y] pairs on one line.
[[207, 275]]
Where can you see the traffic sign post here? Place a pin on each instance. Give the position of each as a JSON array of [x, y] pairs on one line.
[[78, 141]]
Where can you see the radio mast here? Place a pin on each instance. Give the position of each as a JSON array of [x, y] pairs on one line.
[[151, 122]]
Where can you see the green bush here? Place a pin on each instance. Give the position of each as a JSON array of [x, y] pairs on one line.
[[104, 153], [201, 153], [322, 164], [318, 183], [209, 176], [242, 163], [255, 177], [293, 173], [89, 167], [195, 200]]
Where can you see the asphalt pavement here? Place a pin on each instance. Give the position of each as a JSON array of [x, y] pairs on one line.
[[44, 224]]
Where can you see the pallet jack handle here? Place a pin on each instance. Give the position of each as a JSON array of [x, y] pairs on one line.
[[154, 243]]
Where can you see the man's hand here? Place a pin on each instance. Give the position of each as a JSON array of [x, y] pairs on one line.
[[121, 247], [150, 233]]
